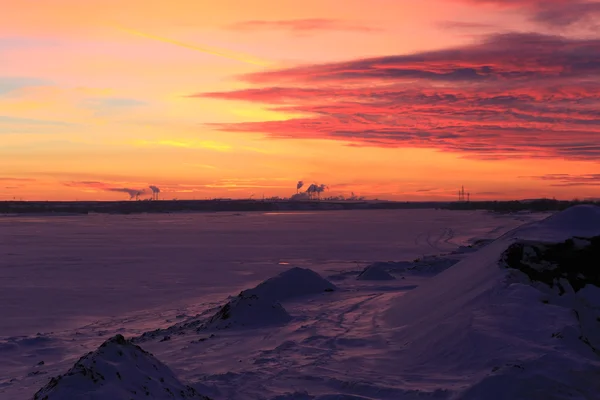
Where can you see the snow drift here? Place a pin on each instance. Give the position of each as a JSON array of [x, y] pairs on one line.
[[118, 369], [583, 220], [495, 334], [374, 273], [248, 311]]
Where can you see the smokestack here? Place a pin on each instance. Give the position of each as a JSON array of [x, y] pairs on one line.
[[155, 192]]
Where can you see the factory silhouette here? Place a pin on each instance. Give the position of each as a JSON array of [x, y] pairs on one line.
[[462, 196], [313, 192]]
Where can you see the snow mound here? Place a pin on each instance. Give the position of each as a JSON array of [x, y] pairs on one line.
[[426, 266], [248, 311], [374, 273], [292, 283], [253, 308], [260, 306], [585, 217], [581, 220], [118, 369]]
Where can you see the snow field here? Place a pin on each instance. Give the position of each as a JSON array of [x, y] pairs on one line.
[[450, 326]]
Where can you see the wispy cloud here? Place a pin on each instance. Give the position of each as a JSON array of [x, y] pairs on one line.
[[92, 184], [113, 102], [191, 144], [461, 25], [426, 190], [19, 180], [258, 183], [499, 194], [12, 83], [206, 166], [513, 95], [5, 119], [298, 26], [106, 106], [133, 189], [569, 180], [203, 49]]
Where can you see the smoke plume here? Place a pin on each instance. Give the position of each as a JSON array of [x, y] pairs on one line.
[[131, 192], [314, 188]]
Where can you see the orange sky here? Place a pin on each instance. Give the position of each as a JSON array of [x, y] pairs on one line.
[[392, 99]]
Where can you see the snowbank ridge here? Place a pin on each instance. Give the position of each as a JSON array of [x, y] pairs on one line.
[[118, 369], [529, 331]]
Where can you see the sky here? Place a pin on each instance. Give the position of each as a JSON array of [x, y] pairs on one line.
[[389, 99]]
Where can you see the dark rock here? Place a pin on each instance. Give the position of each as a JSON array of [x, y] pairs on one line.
[[576, 260]]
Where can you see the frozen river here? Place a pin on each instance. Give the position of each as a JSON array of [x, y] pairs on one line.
[[61, 272], [67, 283]]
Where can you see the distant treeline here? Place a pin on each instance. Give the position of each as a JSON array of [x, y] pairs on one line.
[[169, 206], [541, 205]]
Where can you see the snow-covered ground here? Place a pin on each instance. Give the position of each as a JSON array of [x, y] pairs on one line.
[[454, 323]]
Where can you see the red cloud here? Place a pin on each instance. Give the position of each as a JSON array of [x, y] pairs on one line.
[[506, 57], [555, 13], [513, 95]]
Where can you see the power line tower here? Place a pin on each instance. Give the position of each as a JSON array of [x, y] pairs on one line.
[[463, 196]]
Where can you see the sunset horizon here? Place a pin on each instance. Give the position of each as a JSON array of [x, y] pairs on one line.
[[404, 101], [285, 200]]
